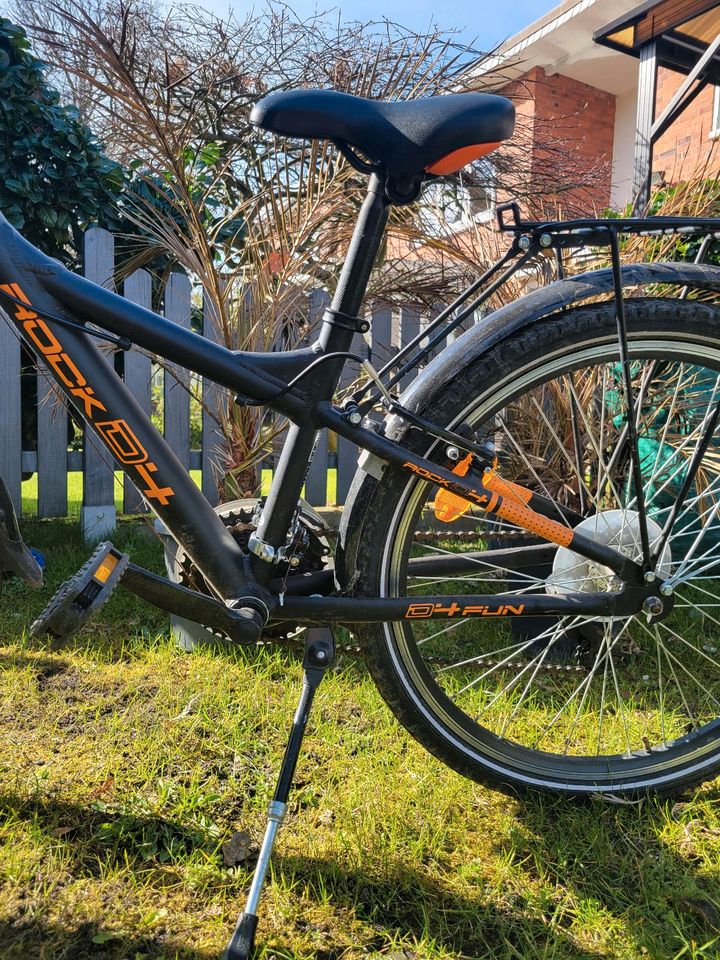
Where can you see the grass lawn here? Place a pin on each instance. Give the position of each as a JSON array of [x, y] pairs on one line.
[[126, 767], [75, 490]]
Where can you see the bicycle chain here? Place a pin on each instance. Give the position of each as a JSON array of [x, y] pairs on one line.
[[241, 524], [295, 642]]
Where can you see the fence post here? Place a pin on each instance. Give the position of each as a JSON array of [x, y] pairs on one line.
[[408, 329], [137, 377], [176, 396], [52, 447], [11, 433], [98, 510]]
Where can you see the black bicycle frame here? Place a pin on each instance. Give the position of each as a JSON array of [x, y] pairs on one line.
[[300, 384]]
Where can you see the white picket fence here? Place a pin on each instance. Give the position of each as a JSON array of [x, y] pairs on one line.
[[46, 454]]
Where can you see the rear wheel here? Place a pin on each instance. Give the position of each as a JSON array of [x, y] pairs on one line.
[[575, 704]]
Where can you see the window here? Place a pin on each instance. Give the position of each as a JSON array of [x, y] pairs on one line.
[[460, 203], [715, 125]]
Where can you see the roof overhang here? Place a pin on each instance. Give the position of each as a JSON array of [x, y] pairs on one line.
[[561, 42], [681, 29]]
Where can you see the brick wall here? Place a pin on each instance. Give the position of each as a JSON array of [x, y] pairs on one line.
[[564, 144], [686, 149]]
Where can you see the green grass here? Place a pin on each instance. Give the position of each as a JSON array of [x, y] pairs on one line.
[[75, 490], [125, 766]]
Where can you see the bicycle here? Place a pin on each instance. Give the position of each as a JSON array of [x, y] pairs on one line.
[[560, 456]]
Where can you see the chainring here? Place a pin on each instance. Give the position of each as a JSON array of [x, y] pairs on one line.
[[308, 551]]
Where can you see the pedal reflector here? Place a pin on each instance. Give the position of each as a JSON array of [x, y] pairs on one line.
[[80, 597]]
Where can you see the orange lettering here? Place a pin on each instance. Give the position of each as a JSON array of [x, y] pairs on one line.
[[154, 492], [34, 322], [122, 441], [57, 360], [117, 434], [88, 401]]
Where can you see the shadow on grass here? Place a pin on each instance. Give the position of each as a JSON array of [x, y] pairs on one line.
[[616, 857], [44, 666], [119, 833], [403, 905], [35, 939], [611, 861], [95, 837], [395, 904]]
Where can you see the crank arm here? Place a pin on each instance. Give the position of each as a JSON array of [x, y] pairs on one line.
[[174, 598]]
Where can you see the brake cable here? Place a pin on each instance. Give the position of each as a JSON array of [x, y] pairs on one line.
[[123, 343]]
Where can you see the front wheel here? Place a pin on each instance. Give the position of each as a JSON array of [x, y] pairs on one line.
[[574, 705]]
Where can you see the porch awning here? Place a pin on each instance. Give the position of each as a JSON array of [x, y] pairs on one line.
[[682, 31]]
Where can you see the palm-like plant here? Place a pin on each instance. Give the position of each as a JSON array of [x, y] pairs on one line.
[[256, 221]]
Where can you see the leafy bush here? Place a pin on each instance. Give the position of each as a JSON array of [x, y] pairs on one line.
[[54, 178]]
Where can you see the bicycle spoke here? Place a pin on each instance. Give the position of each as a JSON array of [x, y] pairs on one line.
[[661, 687], [482, 563], [619, 696], [592, 686], [700, 653], [562, 451], [700, 450], [534, 473], [523, 646], [602, 466], [577, 449], [515, 647], [606, 632], [586, 680], [681, 691]]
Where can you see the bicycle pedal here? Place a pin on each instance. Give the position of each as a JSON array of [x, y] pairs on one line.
[[83, 595]]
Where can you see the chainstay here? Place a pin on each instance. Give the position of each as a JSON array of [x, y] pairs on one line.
[[241, 520]]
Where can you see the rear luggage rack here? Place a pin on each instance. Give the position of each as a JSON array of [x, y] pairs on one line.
[[596, 231], [531, 240]]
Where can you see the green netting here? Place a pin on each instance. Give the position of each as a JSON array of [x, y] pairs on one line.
[[675, 403]]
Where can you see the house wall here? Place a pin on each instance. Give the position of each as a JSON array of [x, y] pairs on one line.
[[687, 148], [564, 143]]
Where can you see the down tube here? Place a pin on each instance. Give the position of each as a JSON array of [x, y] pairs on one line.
[[113, 415]]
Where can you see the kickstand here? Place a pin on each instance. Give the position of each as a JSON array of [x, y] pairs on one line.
[[319, 655]]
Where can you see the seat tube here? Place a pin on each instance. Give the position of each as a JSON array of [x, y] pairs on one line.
[[296, 454]]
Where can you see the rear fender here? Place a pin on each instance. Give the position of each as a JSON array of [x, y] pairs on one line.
[[504, 323]]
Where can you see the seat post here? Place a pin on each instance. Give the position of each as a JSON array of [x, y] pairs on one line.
[[359, 261], [336, 335]]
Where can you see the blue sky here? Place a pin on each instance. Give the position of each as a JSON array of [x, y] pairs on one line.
[[486, 22]]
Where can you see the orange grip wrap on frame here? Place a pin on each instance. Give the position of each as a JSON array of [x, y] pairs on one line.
[[523, 516], [449, 506], [506, 488], [513, 507]]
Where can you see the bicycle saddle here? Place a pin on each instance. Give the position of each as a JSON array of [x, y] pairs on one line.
[[437, 135]]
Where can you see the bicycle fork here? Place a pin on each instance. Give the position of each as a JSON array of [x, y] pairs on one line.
[[319, 655]]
